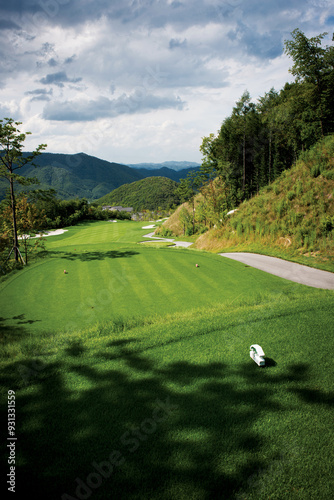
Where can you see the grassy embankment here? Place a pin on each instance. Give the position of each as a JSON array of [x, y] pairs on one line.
[[154, 395], [292, 218]]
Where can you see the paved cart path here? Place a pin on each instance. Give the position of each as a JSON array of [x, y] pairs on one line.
[[184, 244], [284, 269]]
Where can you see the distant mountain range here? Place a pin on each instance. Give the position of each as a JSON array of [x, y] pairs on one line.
[[173, 165], [84, 176], [170, 173]]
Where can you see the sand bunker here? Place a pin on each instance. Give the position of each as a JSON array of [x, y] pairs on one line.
[[47, 233]]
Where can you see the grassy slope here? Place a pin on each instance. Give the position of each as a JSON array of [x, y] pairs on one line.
[[291, 218], [232, 430]]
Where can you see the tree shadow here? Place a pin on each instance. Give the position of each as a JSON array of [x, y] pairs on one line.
[[314, 396], [75, 348], [23, 321], [11, 329], [91, 256], [129, 427]]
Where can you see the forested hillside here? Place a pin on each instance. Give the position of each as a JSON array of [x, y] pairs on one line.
[[294, 214], [150, 194], [175, 175], [170, 165], [258, 141], [76, 176]]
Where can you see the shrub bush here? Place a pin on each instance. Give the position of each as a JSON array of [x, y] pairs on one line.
[[327, 224], [239, 228], [165, 232], [281, 208], [201, 229]]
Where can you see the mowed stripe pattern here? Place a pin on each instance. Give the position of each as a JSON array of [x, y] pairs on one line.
[[148, 281], [91, 234], [106, 280]]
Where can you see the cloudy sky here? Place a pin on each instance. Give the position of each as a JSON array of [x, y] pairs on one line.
[[142, 80]]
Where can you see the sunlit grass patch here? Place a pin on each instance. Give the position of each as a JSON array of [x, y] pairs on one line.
[[155, 244]]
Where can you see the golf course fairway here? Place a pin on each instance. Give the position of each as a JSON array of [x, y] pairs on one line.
[[107, 277], [132, 376]]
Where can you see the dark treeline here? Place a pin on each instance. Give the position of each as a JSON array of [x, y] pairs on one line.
[[258, 141], [52, 212], [59, 213], [39, 211]]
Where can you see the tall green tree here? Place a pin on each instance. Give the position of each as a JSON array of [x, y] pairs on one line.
[[266, 107], [313, 65], [240, 114], [257, 142], [12, 159]]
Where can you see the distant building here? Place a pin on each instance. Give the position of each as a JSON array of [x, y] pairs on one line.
[[119, 208]]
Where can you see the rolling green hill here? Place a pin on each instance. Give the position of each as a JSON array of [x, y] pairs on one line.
[[150, 193]]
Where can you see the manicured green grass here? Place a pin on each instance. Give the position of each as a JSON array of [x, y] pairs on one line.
[[172, 398], [108, 277]]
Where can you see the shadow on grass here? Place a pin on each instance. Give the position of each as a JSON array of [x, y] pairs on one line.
[[270, 363], [131, 428], [75, 348], [11, 329], [314, 396], [90, 256]]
